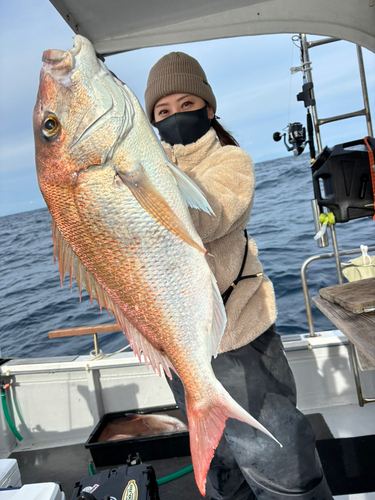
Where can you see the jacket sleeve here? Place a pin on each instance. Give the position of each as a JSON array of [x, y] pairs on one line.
[[228, 184]]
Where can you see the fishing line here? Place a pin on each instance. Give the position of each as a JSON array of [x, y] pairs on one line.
[[290, 81]]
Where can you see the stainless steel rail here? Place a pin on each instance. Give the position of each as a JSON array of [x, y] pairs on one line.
[[304, 280], [308, 77], [361, 112], [322, 41], [364, 90], [322, 242], [305, 46], [353, 354]]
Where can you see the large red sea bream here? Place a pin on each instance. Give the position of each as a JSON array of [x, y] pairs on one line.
[[122, 229]]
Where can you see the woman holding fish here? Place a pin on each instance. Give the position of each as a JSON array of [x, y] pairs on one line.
[[251, 364], [123, 230]]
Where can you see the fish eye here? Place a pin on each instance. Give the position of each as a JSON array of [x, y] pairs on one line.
[[50, 126]]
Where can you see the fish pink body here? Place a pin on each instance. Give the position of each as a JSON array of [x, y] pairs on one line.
[[122, 229]]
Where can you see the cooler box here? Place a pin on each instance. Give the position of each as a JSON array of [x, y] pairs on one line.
[[156, 446], [127, 482], [10, 476], [38, 491]]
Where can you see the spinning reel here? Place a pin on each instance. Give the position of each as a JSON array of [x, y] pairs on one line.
[[296, 138]]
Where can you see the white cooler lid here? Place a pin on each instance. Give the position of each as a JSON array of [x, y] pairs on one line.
[[9, 473], [38, 491], [7, 467]]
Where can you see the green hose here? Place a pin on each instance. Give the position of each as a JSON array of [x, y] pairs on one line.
[[162, 480], [175, 475], [91, 469], [8, 418]]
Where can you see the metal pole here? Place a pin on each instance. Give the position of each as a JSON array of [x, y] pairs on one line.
[[361, 112], [308, 75], [336, 252], [304, 281], [364, 90], [323, 241], [322, 41], [306, 296], [353, 355], [356, 374], [96, 344]]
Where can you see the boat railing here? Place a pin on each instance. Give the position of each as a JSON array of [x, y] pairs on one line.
[[318, 122], [353, 354], [307, 262]]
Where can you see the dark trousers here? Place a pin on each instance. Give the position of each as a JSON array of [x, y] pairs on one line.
[[245, 465]]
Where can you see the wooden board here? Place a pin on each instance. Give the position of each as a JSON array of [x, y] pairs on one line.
[[353, 296], [84, 330], [358, 328]]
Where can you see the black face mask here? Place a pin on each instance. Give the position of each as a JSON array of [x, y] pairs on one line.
[[184, 128]]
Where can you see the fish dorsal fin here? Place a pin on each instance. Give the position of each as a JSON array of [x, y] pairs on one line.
[[190, 191], [69, 261], [219, 318]]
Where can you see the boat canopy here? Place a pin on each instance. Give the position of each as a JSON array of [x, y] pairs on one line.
[[115, 26]]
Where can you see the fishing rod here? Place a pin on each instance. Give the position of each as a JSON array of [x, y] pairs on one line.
[[295, 131]]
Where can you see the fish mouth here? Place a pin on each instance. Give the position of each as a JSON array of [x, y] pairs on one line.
[[59, 63]]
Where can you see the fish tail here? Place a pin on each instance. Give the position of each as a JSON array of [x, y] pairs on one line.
[[206, 426]]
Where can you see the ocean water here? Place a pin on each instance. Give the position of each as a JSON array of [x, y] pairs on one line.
[[32, 301]]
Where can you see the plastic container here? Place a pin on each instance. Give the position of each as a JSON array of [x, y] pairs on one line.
[[127, 482], [151, 447], [342, 180], [38, 491], [10, 476]]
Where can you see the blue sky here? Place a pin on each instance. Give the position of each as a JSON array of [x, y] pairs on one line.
[[250, 76]]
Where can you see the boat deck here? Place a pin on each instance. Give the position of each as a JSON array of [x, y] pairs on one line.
[[69, 464]]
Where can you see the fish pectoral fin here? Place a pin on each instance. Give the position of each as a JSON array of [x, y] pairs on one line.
[[219, 318], [153, 202], [189, 190]]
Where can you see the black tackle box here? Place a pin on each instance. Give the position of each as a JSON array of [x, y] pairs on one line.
[[150, 447], [126, 482], [342, 180]]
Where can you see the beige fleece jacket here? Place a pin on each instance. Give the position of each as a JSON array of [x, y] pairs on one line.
[[226, 177]]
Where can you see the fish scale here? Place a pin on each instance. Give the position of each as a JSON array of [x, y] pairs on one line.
[[150, 284], [122, 229]]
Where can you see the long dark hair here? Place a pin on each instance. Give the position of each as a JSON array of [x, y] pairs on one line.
[[225, 138]]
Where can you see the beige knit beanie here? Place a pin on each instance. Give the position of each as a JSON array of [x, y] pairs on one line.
[[176, 73]]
